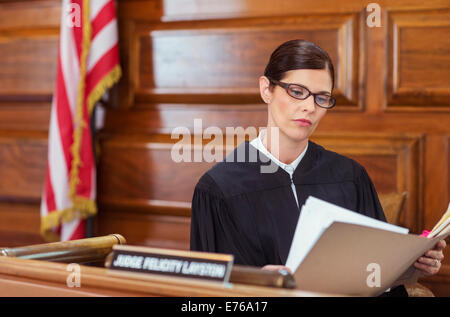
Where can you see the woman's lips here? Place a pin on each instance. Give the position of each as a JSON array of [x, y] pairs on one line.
[[303, 122]]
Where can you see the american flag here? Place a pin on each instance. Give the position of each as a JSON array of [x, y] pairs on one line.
[[88, 65]]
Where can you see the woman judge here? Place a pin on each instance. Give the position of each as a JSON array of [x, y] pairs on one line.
[[240, 209]]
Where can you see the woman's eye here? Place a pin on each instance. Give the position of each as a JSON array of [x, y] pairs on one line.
[[322, 99], [298, 93]]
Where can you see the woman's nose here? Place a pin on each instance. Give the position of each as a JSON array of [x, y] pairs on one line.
[[308, 105]]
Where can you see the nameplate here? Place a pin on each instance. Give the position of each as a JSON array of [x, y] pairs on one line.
[[198, 265]]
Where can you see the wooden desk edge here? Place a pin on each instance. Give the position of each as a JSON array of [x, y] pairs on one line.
[[104, 282]]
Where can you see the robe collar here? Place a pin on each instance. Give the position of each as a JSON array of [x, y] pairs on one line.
[[280, 177], [289, 168]]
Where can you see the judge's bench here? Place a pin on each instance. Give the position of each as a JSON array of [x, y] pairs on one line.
[[80, 268]]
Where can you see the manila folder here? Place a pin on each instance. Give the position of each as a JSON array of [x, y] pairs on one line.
[[356, 260]]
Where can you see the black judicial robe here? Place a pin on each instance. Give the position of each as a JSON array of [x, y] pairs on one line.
[[238, 210]]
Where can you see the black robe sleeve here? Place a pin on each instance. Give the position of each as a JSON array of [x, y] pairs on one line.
[[213, 228], [206, 202]]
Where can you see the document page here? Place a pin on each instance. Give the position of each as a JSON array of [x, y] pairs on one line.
[[315, 217]]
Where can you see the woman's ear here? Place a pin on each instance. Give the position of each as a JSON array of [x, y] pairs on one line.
[[264, 89]]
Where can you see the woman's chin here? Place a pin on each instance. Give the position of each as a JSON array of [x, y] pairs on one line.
[[299, 135]]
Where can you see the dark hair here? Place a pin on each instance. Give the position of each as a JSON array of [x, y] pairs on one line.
[[298, 54]]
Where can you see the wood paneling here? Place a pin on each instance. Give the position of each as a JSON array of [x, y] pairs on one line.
[[419, 59], [19, 224], [24, 116], [145, 170], [437, 167], [23, 165], [392, 161], [27, 66], [175, 10], [163, 118], [16, 15], [28, 49], [201, 60], [142, 229]]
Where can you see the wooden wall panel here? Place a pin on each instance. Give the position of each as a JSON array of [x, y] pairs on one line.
[[133, 181], [179, 59], [394, 163], [27, 66], [28, 50], [19, 224], [419, 59], [175, 10], [146, 171], [24, 116], [164, 118], [18, 15], [23, 165], [143, 229]]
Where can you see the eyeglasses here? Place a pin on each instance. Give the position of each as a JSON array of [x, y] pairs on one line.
[[301, 92]]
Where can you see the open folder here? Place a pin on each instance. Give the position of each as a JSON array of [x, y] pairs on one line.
[[338, 251]]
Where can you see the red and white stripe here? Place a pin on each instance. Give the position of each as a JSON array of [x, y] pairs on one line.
[[102, 58]]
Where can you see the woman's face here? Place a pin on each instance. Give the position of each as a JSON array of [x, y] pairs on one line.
[[296, 119]]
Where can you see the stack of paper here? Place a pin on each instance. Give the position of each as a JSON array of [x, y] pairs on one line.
[[338, 251], [315, 217], [443, 225]]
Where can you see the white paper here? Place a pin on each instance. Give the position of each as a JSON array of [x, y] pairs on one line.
[[440, 229], [315, 217], [437, 229]]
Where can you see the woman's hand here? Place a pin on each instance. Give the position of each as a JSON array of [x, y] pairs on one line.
[[276, 268], [430, 263]]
